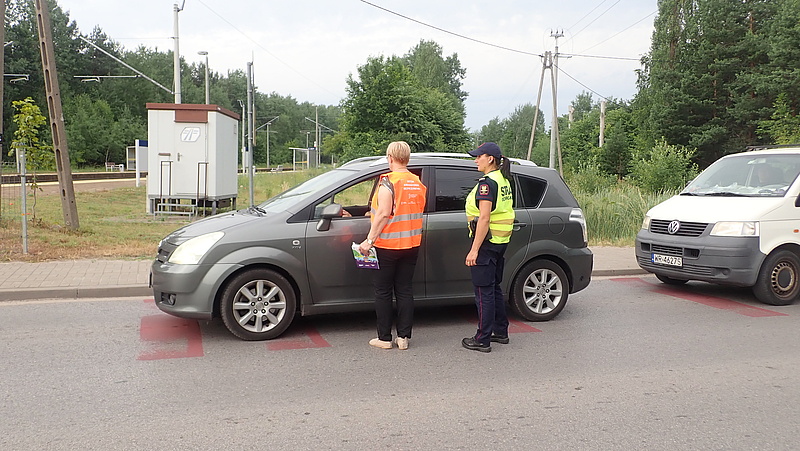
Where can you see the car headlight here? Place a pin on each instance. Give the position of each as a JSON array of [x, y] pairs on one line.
[[735, 228], [646, 222], [190, 252]]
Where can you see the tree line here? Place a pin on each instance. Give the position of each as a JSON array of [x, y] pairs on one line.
[[719, 76]]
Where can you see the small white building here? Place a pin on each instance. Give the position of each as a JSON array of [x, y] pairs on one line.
[[192, 158]]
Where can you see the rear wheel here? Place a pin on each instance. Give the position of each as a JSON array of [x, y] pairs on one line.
[[540, 291], [258, 304], [670, 280], [778, 282]]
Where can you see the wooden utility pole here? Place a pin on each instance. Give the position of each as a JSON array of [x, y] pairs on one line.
[[53, 93], [2, 82]]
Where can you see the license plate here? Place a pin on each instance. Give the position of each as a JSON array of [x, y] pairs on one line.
[[669, 260]]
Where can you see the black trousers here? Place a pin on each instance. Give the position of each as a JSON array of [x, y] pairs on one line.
[[487, 275], [393, 280]]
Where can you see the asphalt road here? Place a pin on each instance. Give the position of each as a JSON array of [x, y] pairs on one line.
[[629, 364]]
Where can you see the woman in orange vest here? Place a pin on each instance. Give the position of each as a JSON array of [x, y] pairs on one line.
[[396, 233]]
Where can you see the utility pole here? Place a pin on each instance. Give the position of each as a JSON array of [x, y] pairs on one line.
[[549, 61], [63, 168], [176, 64], [2, 82], [602, 123], [250, 131], [205, 53], [554, 138]]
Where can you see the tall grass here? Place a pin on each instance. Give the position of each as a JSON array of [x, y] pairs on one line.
[[614, 215], [114, 223]]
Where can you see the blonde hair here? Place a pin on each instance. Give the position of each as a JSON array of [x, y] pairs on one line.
[[400, 151]]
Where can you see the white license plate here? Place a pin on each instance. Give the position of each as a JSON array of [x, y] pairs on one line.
[[669, 260]]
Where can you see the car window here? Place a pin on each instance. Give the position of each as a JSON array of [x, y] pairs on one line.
[[354, 198], [531, 191], [452, 188]]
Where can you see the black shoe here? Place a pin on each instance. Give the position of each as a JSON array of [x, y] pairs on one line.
[[499, 339], [471, 343]]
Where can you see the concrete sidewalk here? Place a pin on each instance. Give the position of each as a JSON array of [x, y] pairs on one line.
[[72, 279]]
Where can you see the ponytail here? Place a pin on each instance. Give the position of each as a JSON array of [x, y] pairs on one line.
[[505, 167]]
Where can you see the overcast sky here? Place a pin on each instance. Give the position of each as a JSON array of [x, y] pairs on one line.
[[307, 48]]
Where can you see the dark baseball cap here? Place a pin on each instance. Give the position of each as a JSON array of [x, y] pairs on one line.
[[489, 148]]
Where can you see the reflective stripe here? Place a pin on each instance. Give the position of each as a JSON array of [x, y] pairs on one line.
[[406, 217], [403, 234], [404, 228], [501, 220]]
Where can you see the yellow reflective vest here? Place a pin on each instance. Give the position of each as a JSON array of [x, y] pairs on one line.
[[501, 221]]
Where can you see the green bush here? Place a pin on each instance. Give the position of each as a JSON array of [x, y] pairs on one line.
[[665, 168]]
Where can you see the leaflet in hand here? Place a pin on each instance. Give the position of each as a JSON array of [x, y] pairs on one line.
[[369, 261]]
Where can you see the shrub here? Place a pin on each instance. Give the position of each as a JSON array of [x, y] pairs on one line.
[[665, 168]]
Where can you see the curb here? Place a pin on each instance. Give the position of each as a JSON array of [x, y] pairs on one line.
[[31, 294]]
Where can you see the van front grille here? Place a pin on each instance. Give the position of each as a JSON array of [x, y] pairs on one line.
[[690, 229]]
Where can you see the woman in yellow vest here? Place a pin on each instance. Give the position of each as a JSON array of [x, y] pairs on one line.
[[490, 218], [396, 233]]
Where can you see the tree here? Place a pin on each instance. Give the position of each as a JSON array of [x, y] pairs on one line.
[[385, 101], [706, 81], [29, 119]]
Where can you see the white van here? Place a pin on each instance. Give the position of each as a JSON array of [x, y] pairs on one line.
[[737, 223]]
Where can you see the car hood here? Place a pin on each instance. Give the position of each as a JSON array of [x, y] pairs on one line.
[[218, 223], [712, 209]]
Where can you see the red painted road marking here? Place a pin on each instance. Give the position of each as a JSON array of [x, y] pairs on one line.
[[305, 337], [711, 301], [514, 326], [171, 337]]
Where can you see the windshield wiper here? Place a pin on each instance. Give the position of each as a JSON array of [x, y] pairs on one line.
[[725, 194]]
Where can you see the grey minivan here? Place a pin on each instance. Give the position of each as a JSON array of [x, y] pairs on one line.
[[257, 268]]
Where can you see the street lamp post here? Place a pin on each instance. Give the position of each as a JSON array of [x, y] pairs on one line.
[[204, 53]]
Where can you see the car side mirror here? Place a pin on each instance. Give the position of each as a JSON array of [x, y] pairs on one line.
[[329, 212]]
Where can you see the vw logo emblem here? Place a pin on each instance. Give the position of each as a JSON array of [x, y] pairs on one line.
[[673, 227]]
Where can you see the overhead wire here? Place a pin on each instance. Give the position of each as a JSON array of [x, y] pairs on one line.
[[263, 48], [450, 32]]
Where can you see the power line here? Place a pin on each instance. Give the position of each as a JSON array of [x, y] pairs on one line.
[[623, 30], [587, 15], [601, 57], [263, 48], [450, 32], [578, 82], [595, 19]]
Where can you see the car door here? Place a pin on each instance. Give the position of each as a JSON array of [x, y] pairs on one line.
[[446, 236], [333, 275], [448, 242]]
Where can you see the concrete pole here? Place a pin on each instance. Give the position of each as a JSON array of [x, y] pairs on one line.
[[602, 123], [2, 71], [538, 103], [204, 53], [250, 131], [176, 55]]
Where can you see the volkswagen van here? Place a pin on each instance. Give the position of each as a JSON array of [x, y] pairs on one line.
[[737, 223]]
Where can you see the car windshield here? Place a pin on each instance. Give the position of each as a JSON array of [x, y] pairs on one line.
[[298, 194], [763, 175]]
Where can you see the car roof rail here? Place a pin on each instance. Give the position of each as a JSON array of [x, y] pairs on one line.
[[378, 159]]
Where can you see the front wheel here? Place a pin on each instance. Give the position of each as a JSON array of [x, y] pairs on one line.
[[258, 304], [778, 282], [540, 291]]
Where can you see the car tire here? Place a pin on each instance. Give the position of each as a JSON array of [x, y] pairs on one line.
[[670, 280], [258, 304], [540, 291], [777, 282]]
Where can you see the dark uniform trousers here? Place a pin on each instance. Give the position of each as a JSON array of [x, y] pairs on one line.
[[487, 275], [394, 279]]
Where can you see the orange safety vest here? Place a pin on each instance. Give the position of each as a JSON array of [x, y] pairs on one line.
[[404, 229]]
